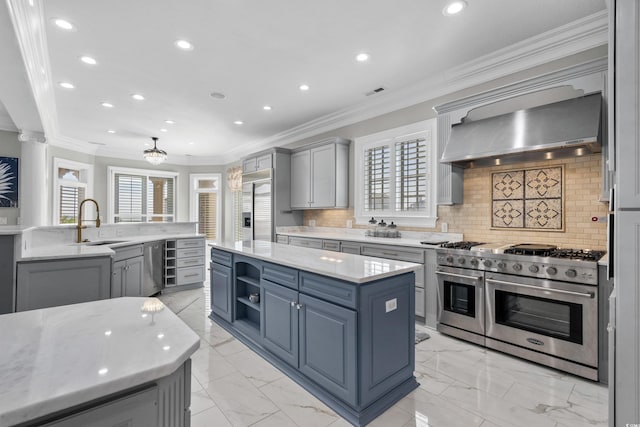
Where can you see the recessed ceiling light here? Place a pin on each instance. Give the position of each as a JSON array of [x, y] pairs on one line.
[[111, 131], [361, 57], [267, 108], [64, 24], [88, 60], [163, 130], [303, 87], [454, 7], [170, 122], [217, 95], [67, 85], [107, 105], [238, 122], [137, 97], [191, 143], [184, 45]]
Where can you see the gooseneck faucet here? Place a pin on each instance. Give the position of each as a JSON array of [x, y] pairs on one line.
[[80, 226]]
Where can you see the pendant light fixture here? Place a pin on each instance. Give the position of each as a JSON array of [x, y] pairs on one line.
[[154, 155]]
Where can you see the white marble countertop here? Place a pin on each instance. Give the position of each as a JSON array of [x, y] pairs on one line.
[[58, 357], [6, 230], [344, 266], [335, 235], [80, 250]]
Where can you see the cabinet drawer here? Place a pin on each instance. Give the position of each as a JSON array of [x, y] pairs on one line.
[[331, 245], [188, 253], [328, 289], [190, 262], [307, 243], [397, 253], [280, 275], [221, 257], [350, 248], [280, 238], [190, 243], [190, 275], [127, 252]]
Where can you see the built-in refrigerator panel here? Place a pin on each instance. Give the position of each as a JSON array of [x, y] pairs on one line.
[[262, 217]]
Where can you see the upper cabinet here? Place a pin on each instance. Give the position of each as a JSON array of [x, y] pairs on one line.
[[256, 163], [320, 175]]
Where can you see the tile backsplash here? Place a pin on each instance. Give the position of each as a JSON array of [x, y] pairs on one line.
[[583, 183]]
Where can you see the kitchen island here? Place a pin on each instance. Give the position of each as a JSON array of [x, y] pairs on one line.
[[119, 361], [340, 325]]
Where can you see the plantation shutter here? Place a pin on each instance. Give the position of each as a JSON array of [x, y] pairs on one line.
[[129, 198], [70, 198], [377, 178], [207, 216], [411, 180]]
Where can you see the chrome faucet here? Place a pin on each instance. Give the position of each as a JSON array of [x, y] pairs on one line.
[[80, 226]]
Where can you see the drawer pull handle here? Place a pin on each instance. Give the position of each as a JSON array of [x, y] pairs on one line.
[[191, 261], [192, 275], [389, 254], [191, 253]]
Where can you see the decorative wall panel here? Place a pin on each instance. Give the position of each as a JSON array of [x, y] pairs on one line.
[[530, 199]]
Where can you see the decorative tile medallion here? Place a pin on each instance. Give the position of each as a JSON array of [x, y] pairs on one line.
[[529, 199]]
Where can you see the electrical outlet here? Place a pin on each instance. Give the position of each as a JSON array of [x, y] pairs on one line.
[[3, 220], [444, 227], [349, 223], [312, 223]]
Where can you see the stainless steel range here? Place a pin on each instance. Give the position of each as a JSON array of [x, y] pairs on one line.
[[533, 301]]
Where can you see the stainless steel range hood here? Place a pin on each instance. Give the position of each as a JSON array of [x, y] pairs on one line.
[[563, 129]]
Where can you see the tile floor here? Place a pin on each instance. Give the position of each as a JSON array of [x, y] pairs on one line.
[[460, 385]]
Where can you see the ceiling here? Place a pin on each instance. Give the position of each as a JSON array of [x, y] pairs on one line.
[[257, 54]]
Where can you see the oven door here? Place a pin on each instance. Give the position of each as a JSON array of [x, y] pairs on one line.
[[556, 318], [461, 299]]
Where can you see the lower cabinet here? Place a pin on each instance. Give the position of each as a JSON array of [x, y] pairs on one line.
[[51, 283], [127, 272], [279, 318], [221, 290]]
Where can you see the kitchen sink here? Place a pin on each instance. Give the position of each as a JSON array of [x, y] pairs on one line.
[[104, 242]]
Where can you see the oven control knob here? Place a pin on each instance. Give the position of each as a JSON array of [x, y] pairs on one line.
[[487, 263], [449, 259], [533, 268], [502, 265], [551, 271], [461, 260], [474, 262], [571, 273], [517, 267]]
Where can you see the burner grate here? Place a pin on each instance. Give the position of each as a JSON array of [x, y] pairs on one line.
[[460, 245], [531, 249], [579, 254]]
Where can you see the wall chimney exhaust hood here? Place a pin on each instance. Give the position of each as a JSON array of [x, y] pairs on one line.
[[562, 129]]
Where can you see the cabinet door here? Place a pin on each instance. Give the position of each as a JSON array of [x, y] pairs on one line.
[[264, 162], [279, 321], [323, 176], [431, 288], [328, 346], [221, 290], [300, 179], [133, 274], [249, 165], [420, 302], [117, 278]]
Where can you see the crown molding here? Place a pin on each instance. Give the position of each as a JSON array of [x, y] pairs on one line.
[[30, 28], [7, 124]]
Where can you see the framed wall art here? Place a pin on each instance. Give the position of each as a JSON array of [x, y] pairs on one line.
[[529, 199], [8, 182]]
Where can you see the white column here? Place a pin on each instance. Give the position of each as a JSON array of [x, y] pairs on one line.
[[33, 179]]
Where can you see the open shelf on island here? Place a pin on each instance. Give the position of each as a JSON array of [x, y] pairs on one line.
[[245, 300], [250, 280]]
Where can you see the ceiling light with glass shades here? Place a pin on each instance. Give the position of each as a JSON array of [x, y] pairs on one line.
[[154, 155]]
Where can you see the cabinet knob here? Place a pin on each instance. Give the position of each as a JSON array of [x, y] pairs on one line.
[[293, 303], [299, 306]]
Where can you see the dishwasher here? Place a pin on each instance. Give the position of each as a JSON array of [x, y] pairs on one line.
[[153, 264]]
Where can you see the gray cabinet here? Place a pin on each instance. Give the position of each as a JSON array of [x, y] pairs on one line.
[[280, 321], [184, 262], [7, 284], [256, 163], [328, 346], [127, 272], [350, 248], [57, 282], [320, 175], [430, 288], [305, 242], [221, 279]]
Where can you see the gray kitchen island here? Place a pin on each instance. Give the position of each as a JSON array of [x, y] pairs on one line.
[[340, 325]]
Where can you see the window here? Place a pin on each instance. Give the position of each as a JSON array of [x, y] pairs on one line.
[[142, 196], [205, 204], [395, 175], [72, 183]]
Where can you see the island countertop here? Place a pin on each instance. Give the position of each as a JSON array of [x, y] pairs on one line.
[[340, 265], [59, 357]]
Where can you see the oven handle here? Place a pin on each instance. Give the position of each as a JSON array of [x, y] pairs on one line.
[[462, 276], [559, 291]]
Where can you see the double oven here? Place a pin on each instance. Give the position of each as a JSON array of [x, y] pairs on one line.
[[541, 306]]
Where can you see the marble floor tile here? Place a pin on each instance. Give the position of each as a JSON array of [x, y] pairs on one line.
[[303, 408], [241, 402], [461, 384]]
